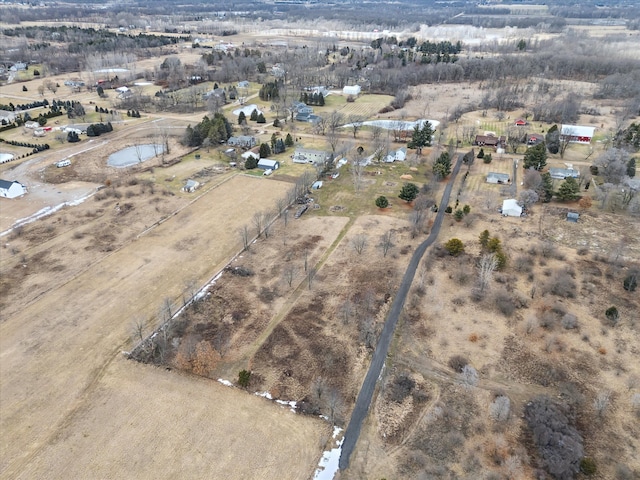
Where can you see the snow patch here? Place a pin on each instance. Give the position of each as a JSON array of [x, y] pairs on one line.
[[45, 212], [225, 382], [266, 395], [328, 465]]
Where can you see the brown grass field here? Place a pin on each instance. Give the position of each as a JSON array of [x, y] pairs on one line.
[[63, 381]]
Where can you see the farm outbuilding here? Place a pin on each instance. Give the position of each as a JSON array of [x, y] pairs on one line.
[[11, 189], [577, 133], [191, 186], [493, 177], [267, 164], [352, 90], [510, 208]]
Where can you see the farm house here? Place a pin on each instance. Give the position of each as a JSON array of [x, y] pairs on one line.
[[304, 155], [11, 189], [266, 164]]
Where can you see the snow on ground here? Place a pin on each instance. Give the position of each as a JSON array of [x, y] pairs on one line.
[[247, 109], [396, 124], [46, 211], [225, 382], [328, 465]]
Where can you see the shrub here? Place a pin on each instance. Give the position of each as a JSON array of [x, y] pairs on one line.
[[466, 209], [561, 284], [569, 321], [588, 466], [487, 158], [382, 202], [504, 303], [448, 209], [612, 316], [458, 215], [454, 246], [500, 408], [243, 378], [457, 363], [631, 282], [401, 387], [558, 442]]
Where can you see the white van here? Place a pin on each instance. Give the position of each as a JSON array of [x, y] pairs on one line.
[[63, 163]]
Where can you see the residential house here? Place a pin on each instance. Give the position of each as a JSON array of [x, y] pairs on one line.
[[216, 93], [493, 177], [398, 155], [243, 84], [490, 141], [562, 173], [11, 189], [305, 155], [243, 141]]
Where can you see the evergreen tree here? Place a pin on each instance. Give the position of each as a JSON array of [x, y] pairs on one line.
[[242, 118], [321, 100], [484, 239], [254, 115], [251, 163], [280, 147], [442, 166], [552, 139], [409, 192], [265, 151], [536, 157], [261, 118], [421, 137], [631, 167], [288, 141], [481, 153], [569, 189], [545, 189]]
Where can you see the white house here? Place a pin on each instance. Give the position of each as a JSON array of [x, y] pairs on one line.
[[304, 155], [562, 173], [510, 208], [577, 133], [399, 155], [494, 177], [266, 164], [11, 189], [351, 90]]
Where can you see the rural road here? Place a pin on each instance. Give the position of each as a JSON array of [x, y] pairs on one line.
[[380, 354]]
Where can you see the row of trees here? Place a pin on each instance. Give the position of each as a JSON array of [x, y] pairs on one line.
[[213, 131]]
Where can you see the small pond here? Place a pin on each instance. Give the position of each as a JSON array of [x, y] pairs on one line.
[[5, 157], [133, 155]]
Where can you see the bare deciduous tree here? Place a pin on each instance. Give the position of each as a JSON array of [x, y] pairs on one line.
[[487, 265], [602, 402], [469, 376], [500, 408], [311, 274], [359, 243], [246, 237], [258, 222], [289, 273], [386, 242]]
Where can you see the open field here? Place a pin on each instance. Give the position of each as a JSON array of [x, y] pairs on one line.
[[57, 354]]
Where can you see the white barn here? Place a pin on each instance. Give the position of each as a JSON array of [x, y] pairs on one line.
[[351, 90], [11, 189], [577, 133], [510, 208], [305, 155]]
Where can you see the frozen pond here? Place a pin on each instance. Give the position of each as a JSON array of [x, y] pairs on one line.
[[111, 70], [132, 155], [248, 110], [5, 157], [396, 124]]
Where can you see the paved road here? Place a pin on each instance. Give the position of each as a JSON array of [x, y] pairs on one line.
[[380, 354]]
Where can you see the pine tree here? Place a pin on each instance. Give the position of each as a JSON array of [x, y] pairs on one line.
[[261, 118], [545, 189], [552, 139], [569, 190], [265, 151], [409, 192], [536, 157], [254, 115], [288, 141], [242, 118]]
